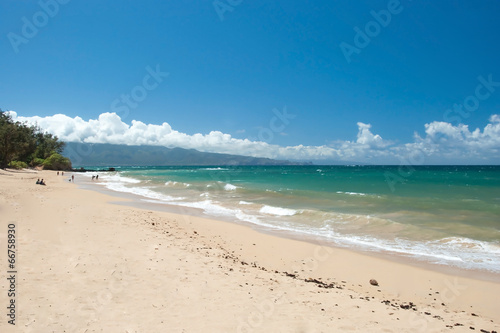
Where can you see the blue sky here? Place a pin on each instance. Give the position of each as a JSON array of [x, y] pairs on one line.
[[235, 66]]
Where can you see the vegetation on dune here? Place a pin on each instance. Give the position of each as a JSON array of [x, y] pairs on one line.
[[22, 146], [57, 162]]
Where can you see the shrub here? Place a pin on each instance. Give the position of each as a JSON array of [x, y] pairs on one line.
[[37, 162], [57, 162], [18, 165]]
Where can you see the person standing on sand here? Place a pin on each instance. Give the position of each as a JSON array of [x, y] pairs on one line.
[[73, 178]]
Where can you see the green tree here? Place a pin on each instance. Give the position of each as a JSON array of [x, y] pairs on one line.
[[16, 140], [57, 162], [47, 144], [28, 144]]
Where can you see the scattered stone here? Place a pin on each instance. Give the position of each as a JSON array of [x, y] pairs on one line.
[[320, 283], [373, 282], [409, 306]]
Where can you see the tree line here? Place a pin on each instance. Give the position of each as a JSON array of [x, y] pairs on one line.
[[23, 146]]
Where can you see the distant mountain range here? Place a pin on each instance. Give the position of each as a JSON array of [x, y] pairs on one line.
[[108, 155]]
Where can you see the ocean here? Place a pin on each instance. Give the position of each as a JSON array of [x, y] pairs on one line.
[[447, 215]]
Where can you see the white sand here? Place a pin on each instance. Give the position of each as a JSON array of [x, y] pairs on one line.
[[85, 265]]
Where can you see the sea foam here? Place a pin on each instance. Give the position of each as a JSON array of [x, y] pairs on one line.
[[278, 211], [230, 187]]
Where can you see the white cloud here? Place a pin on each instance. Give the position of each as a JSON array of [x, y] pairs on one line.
[[442, 142], [366, 137]]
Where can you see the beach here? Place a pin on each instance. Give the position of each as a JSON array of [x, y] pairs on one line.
[[87, 264]]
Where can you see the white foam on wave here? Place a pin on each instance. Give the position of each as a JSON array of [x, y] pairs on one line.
[[245, 203], [211, 208], [171, 183], [352, 193], [278, 211], [215, 169], [141, 191], [460, 252], [117, 178], [230, 187], [119, 183]]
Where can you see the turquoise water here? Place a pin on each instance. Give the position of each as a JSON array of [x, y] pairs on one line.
[[442, 214]]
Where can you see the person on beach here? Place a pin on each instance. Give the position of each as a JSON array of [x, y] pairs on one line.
[[96, 177], [42, 182], [93, 177], [58, 173], [38, 181], [73, 178]]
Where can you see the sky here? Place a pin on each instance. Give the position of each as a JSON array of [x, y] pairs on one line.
[[379, 82]]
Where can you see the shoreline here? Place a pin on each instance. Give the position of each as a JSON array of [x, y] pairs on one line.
[[138, 201], [122, 268]]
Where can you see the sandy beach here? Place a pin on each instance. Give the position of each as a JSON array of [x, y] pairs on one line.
[[84, 264]]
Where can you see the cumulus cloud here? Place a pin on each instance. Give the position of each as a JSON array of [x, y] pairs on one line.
[[442, 141], [460, 142], [366, 137]]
